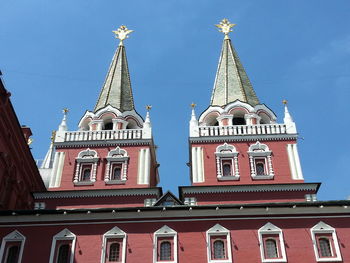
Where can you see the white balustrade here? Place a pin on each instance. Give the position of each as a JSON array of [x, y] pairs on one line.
[[132, 134], [242, 130]]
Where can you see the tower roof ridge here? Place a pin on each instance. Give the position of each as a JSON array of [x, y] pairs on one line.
[[231, 81]]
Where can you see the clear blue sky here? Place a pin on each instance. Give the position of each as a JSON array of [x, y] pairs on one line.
[[55, 54]]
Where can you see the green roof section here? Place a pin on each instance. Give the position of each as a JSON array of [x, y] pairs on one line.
[[116, 90], [231, 82]]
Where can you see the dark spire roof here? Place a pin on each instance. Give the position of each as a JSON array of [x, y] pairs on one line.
[[231, 82], [116, 90]]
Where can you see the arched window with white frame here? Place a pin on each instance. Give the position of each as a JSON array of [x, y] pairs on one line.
[[63, 247], [114, 246], [86, 167], [219, 245], [165, 245], [12, 246], [226, 162], [271, 244], [325, 242], [260, 158], [117, 166]]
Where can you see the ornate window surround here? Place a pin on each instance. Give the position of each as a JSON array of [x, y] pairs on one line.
[[271, 229], [64, 235], [114, 233], [86, 157], [226, 152], [323, 229], [13, 237], [215, 232], [260, 151], [167, 234], [117, 156]]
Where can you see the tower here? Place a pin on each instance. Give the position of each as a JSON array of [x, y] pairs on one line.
[[238, 151], [111, 154]]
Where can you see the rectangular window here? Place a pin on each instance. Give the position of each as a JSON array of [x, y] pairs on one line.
[[271, 243], [325, 245], [63, 251], [116, 172], [227, 167], [12, 251]]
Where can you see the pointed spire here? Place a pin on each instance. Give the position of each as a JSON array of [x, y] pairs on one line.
[[231, 81], [63, 126], [288, 120], [147, 126], [116, 90], [194, 129]]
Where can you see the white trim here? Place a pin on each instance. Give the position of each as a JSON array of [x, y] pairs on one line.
[[219, 230], [86, 157], [117, 156], [144, 164], [65, 234], [270, 229], [256, 151], [14, 236], [115, 232], [323, 228], [162, 220], [197, 165], [226, 152], [164, 231]]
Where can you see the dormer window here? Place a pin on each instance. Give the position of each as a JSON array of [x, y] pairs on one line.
[[260, 161], [86, 166], [117, 166], [108, 126], [238, 121], [227, 162]]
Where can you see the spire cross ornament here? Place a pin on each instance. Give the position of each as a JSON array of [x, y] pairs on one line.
[[225, 27], [65, 111], [193, 105], [285, 102], [122, 33], [148, 107]]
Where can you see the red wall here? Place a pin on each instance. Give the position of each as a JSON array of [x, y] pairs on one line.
[[191, 240], [133, 153], [280, 163]]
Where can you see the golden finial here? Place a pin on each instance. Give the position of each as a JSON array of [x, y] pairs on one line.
[[122, 33], [193, 105], [148, 107], [225, 27], [53, 135], [65, 111], [30, 141], [285, 102]]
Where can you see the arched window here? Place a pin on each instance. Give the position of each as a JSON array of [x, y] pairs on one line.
[[260, 167], [12, 254], [219, 249], [226, 169], [108, 126], [114, 252], [165, 251], [63, 254], [271, 248], [325, 247], [86, 173], [117, 172]]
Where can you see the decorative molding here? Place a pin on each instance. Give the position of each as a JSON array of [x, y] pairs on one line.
[[117, 156], [244, 138], [104, 143], [226, 152], [65, 234], [260, 151], [219, 230], [86, 157], [323, 228], [115, 232], [165, 232], [14, 236], [270, 229], [97, 193]]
